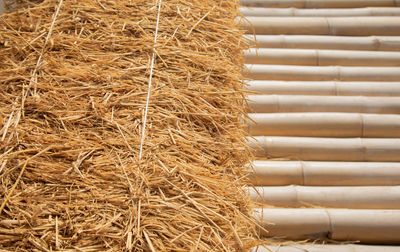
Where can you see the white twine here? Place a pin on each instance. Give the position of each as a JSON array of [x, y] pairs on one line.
[[149, 86]]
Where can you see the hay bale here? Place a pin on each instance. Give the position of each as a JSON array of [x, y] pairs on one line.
[[74, 77]]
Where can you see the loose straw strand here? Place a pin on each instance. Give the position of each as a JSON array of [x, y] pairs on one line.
[[32, 79], [149, 86], [20, 176]]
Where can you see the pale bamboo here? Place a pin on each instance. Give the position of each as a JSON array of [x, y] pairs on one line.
[[327, 149], [314, 103], [310, 57], [354, 197], [366, 226], [322, 73], [341, 26], [2, 7], [340, 12], [369, 43], [319, 3], [280, 173], [324, 125], [325, 248], [325, 88]]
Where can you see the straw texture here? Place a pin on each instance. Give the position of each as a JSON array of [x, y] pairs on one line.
[[74, 81]]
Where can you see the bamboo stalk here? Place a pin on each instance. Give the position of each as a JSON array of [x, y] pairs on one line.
[[325, 248], [354, 197], [280, 173], [340, 26], [321, 57], [366, 226], [319, 3], [327, 149], [305, 103], [339, 12], [322, 73], [324, 125], [325, 88], [368, 43]]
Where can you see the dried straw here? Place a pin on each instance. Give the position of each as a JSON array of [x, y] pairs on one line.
[[74, 81]]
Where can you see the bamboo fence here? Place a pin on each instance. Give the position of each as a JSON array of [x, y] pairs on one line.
[[316, 103], [324, 125], [338, 12], [327, 149], [343, 88], [338, 26], [320, 3], [368, 43], [280, 173], [322, 73], [325, 248], [353, 197], [369, 226], [307, 57]]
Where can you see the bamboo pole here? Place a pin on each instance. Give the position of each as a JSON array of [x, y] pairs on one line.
[[325, 248], [354, 197], [319, 3], [321, 73], [324, 125], [325, 88], [366, 226], [321, 57], [327, 149], [368, 43], [341, 26], [340, 12], [313, 103], [280, 173]]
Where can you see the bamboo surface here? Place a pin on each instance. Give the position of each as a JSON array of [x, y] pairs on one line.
[[324, 125], [368, 43], [322, 73], [319, 3], [2, 7], [340, 12], [325, 248], [310, 57], [333, 88], [314, 103], [366, 226], [281, 173], [354, 197], [327, 149], [340, 26]]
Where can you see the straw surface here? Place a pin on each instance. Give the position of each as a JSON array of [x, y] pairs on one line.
[[74, 81]]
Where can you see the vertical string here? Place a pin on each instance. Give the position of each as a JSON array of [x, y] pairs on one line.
[[149, 86]]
